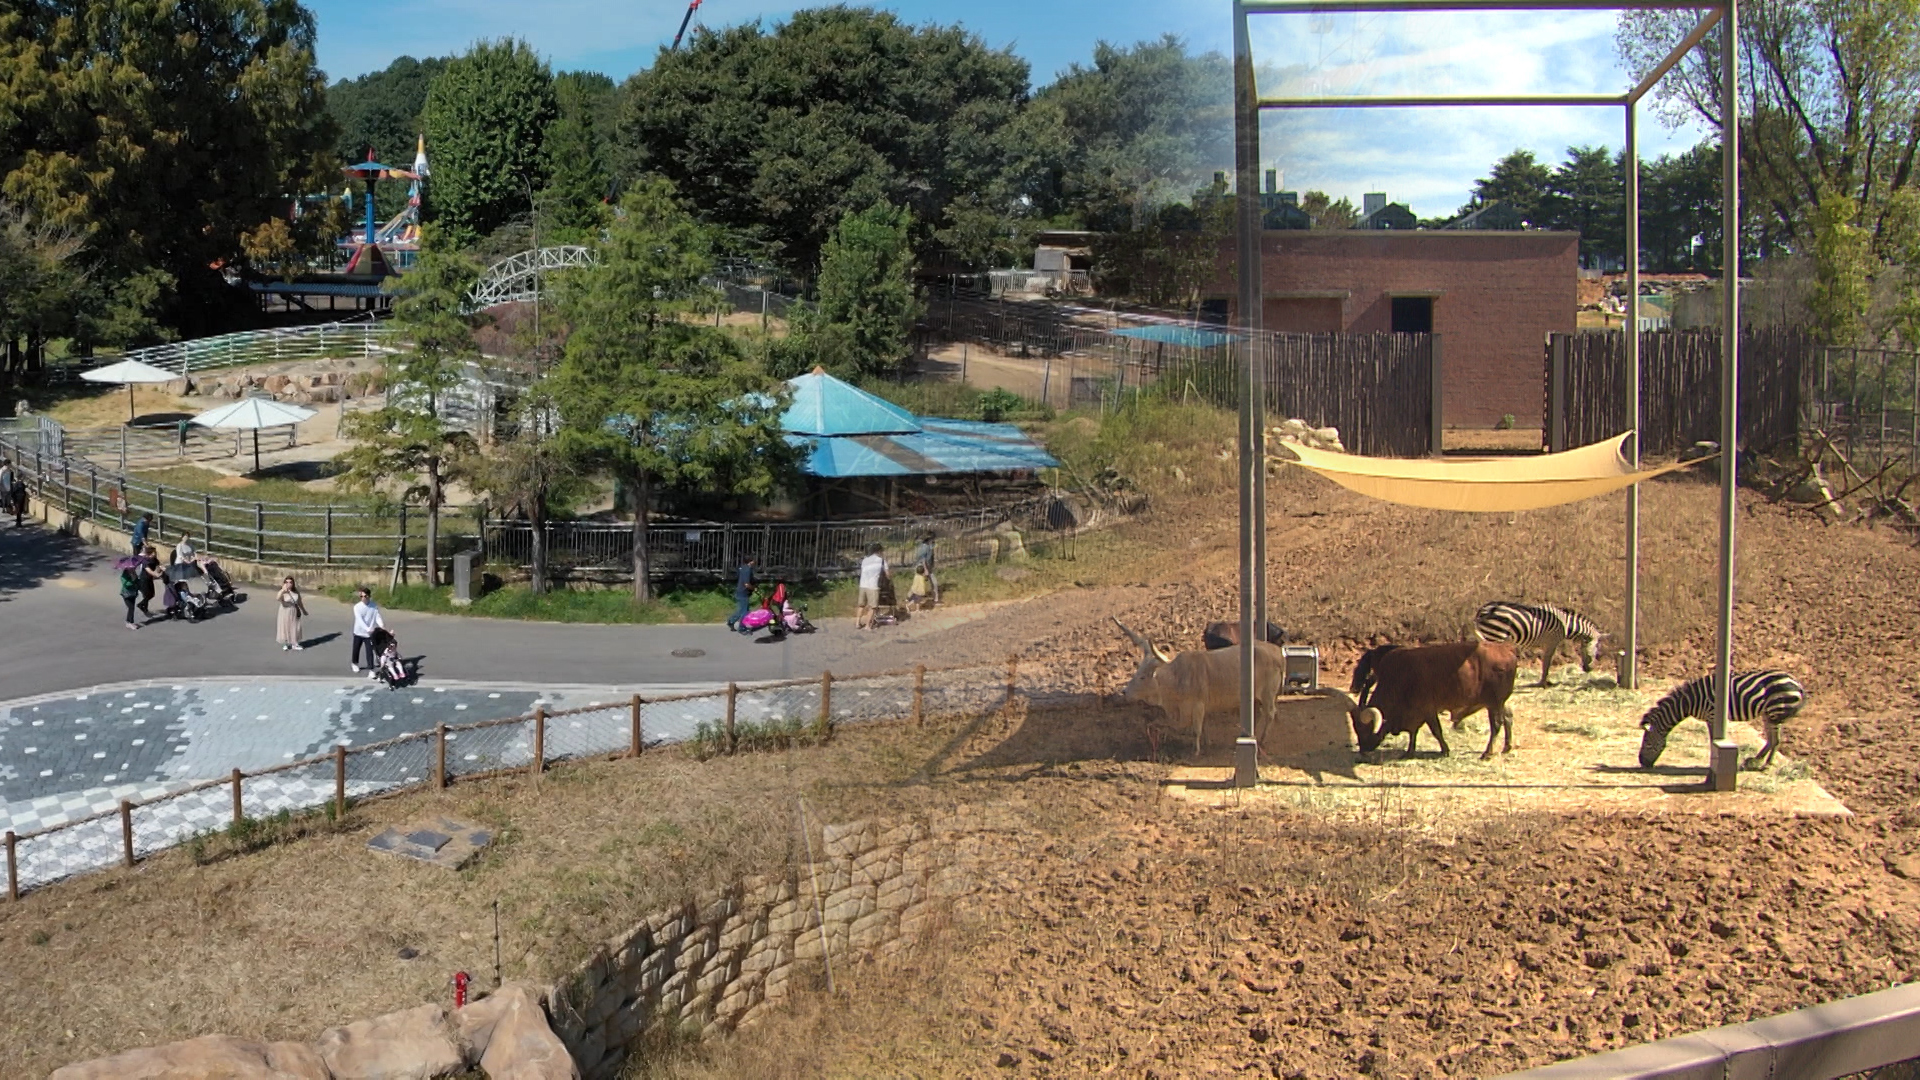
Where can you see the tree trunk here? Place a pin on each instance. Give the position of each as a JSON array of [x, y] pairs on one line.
[[433, 522], [642, 553], [537, 518]]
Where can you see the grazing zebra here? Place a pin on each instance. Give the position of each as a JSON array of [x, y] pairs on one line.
[[1541, 626], [1772, 697]]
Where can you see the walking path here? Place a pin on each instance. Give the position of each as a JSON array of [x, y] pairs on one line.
[[91, 713]]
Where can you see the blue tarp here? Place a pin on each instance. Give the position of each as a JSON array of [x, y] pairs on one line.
[[1190, 336], [823, 405]]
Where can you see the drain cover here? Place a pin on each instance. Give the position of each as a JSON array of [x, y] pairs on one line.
[[688, 654]]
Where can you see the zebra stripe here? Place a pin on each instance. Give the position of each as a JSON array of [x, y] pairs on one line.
[[1772, 697], [1526, 625]]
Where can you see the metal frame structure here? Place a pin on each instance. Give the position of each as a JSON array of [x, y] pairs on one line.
[[1248, 108]]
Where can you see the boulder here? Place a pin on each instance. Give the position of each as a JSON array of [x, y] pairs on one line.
[[417, 1044], [210, 1057], [327, 394], [508, 1033], [316, 380]]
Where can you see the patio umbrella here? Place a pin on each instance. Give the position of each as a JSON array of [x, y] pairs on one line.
[[252, 414], [129, 372]]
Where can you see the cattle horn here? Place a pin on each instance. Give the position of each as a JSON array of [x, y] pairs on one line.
[[1137, 638]]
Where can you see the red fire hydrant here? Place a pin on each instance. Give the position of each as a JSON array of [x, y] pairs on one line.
[[460, 980]]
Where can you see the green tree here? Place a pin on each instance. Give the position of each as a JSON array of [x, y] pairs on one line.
[[410, 438], [863, 323], [1168, 263], [779, 134], [1828, 94], [1329, 213], [1517, 180], [647, 393], [576, 156], [1587, 194], [486, 117], [161, 133], [1842, 271], [525, 474], [1142, 127], [40, 280], [1680, 211], [380, 112]]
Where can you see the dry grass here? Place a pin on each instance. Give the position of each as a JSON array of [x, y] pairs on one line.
[[107, 407], [283, 941]]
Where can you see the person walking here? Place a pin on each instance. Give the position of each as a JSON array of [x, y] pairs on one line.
[[742, 593], [872, 569], [150, 571], [141, 530], [292, 610], [18, 492], [130, 592], [6, 486], [366, 619], [923, 559]]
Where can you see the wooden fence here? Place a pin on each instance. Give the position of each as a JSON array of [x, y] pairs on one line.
[[1586, 387], [742, 716]]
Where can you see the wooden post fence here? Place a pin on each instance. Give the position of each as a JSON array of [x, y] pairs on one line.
[[238, 812], [733, 695], [126, 830], [339, 782], [440, 755], [539, 739], [825, 720], [636, 741], [206, 517], [919, 695], [13, 866], [259, 533]]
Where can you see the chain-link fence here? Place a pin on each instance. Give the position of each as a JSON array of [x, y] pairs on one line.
[[250, 807]]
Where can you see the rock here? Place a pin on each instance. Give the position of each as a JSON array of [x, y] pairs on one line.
[[326, 394], [210, 1057], [520, 1045], [316, 380], [417, 1044], [273, 383]]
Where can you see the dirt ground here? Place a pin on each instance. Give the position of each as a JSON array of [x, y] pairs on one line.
[[1394, 924]]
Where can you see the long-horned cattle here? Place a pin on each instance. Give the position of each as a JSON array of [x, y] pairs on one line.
[[1222, 635], [1189, 685], [1408, 688]]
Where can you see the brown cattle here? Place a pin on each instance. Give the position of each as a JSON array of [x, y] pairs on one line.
[[1412, 686]]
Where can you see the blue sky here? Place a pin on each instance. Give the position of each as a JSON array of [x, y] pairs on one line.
[[1428, 158]]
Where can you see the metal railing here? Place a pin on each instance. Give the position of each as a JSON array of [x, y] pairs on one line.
[[1840, 1038], [722, 720], [323, 341]]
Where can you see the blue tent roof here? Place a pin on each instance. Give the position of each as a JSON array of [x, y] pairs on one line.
[[823, 405], [941, 446], [1190, 336]]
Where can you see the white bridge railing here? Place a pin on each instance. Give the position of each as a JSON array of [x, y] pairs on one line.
[[324, 341]]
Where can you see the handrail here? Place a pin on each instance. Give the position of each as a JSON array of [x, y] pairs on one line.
[[350, 339]]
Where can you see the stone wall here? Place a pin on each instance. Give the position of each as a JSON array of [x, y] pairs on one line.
[[722, 960]]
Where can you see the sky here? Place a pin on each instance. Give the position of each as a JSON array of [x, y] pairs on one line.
[[1427, 158]]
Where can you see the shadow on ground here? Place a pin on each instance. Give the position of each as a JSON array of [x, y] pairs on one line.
[[34, 555]]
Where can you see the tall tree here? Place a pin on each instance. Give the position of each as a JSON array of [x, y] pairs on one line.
[[1326, 212], [1828, 104], [1517, 180], [410, 439], [576, 155], [162, 132], [646, 392], [1587, 194], [1843, 270], [1680, 210], [863, 322], [1141, 127], [40, 279], [486, 117], [524, 474], [781, 133]]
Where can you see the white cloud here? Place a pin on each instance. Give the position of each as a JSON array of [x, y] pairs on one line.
[[1429, 157]]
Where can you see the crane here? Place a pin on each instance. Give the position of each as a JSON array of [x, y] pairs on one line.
[[691, 8]]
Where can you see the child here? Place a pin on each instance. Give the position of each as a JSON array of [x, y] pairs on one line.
[[389, 666], [920, 593]]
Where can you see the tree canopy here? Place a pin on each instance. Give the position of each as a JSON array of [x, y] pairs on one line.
[[380, 111], [863, 323], [780, 134], [487, 116], [161, 148]]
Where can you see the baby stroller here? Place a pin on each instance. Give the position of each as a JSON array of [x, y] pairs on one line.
[[179, 600], [220, 588], [388, 667]]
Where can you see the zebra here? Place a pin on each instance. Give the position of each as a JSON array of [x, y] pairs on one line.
[[1541, 626], [1771, 697]]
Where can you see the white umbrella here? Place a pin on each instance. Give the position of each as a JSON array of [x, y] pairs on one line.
[[252, 414], [129, 372]]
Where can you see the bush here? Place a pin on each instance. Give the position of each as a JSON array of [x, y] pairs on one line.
[[995, 404]]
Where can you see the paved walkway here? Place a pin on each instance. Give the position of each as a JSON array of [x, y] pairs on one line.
[[91, 713]]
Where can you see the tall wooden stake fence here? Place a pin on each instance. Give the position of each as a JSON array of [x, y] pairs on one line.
[[429, 759]]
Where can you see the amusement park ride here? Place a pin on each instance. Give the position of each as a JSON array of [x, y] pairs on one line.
[[401, 235]]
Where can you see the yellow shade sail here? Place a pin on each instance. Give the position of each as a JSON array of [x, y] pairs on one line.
[[1484, 485]]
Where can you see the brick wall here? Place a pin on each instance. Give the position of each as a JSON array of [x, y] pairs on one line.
[[1496, 296], [719, 961]]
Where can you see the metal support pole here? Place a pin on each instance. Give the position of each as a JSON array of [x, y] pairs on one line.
[[1628, 675], [1246, 129], [1725, 755]]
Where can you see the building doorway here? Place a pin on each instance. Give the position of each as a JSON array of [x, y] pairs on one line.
[[1413, 314]]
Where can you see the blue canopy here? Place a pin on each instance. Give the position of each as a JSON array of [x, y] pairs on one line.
[[1190, 336], [940, 446], [823, 405]]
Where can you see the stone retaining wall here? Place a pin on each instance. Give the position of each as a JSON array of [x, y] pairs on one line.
[[722, 960]]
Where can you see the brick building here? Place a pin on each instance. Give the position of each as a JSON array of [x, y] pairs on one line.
[[1493, 297]]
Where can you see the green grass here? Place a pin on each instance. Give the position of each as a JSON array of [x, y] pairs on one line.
[[268, 489], [956, 400], [516, 601]]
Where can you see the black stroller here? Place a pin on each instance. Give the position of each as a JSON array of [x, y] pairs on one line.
[[387, 664], [219, 586], [186, 604]]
